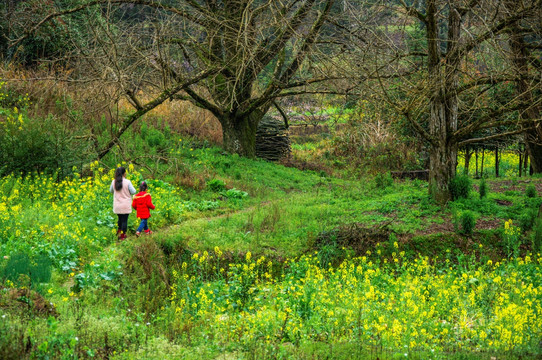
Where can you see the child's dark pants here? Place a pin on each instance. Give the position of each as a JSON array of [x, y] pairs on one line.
[[123, 222]]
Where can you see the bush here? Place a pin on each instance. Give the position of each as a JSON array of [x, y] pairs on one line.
[[527, 220], [216, 185], [460, 187], [30, 145], [465, 223], [530, 191], [483, 189], [537, 236], [383, 180]]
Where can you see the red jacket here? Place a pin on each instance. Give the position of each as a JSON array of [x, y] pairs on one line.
[[142, 203]]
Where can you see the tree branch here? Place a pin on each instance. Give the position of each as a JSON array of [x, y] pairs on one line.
[[166, 94], [496, 136]]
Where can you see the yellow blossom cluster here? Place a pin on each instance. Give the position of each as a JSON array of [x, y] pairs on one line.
[[410, 304]]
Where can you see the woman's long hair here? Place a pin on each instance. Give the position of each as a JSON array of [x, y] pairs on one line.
[[119, 173]]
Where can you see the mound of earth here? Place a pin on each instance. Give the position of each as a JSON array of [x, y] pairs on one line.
[[25, 299]]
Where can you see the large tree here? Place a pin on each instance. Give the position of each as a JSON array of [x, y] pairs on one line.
[[231, 57], [525, 41], [438, 63]]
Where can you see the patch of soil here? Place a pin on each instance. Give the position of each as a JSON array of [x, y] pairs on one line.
[[435, 228], [25, 299], [488, 224], [503, 202], [448, 227], [500, 186]]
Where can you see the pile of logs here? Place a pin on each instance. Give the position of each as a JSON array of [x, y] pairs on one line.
[[272, 140]]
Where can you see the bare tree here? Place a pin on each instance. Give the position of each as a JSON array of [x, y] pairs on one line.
[[524, 62], [231, 57], [438, 63]]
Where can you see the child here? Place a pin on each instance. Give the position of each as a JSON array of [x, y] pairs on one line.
[[122, 189], [142, 203]]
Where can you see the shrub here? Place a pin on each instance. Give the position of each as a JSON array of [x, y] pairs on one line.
[[216, 185], [527, 220], [530, 191], [465, 222], [460, 187], [383, 180], [36, 145], [483, 188], [537, 236]]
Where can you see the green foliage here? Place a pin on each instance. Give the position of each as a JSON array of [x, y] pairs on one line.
[[483, 190], [527, 219], [512, 238], [460, 187], [530, 191], [537, 236], [51, 41], [20, 268], [216, 185], [467, 222], [56, 345], [235, 194], [383, 180], [35, 145]]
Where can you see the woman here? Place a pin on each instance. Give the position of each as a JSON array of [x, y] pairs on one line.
[[122, 190]]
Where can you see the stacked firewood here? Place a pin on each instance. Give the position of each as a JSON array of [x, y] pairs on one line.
[[272, 140]]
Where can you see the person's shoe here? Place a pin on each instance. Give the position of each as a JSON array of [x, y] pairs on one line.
[[123, 236], [119, 233], [138, 234], [148, 232]]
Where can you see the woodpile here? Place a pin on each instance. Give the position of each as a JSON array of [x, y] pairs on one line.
[[354, 236], [272, 140]]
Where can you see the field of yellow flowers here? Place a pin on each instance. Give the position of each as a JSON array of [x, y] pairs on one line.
[[70, 220], [209, 304], [406, 306]]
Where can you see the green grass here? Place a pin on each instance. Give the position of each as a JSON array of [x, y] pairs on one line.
[[126, 290]]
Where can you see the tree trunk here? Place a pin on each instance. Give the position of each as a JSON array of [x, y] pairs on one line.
[[482, 165], [443, 161], [520, 154], [534, 149], [496, 160], [476, 154], [239, 133], [525, 162], [519, 55], [468, 155], [443, 103]]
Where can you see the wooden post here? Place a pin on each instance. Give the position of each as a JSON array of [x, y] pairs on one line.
[[525, 160], [476, 155], [468, 154], [497, 160], [520, 161], [482, 166]]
